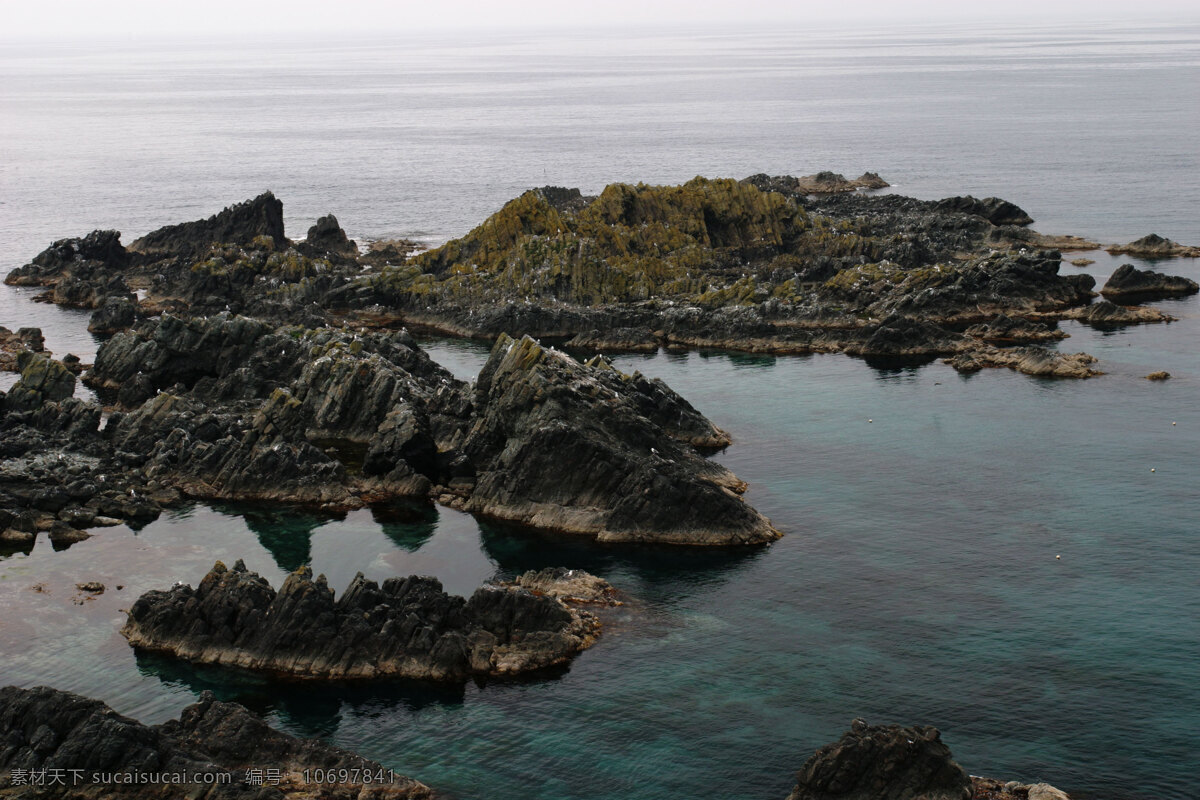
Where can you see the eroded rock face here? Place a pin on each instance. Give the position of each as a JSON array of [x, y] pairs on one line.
[[883, 762], [43, 380], [1129, 281], [97, 249], [47, 729], [237, 224], [565, 446], [408, 627]]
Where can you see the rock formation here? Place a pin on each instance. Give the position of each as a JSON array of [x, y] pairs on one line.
[[883, 762], [582, 448], [81, 748], [1155, 246], [239, 224], [408, 627], [768, 264], [1129, 281]]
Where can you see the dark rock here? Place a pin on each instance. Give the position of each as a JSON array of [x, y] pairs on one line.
[[327, 236], [43, 380], [1129, 281], [993, 209], [883, 762], [1104, 314], [87, 742], [407, 628], [97, 249], [1158, 376], [116, 314], [13, 344], [238, 224], [565, 446]]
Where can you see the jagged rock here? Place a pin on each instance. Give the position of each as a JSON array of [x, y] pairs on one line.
[[899, 335], [43, 380], [407, 628], [327, 236], [993, 209], [116, 314], [883, 762], [1155, 246], [564, 446], [1014, 329], [97, 249], [1129, 281], [1105, 313], [86, 742], [237, 224]]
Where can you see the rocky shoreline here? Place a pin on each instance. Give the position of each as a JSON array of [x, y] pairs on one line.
[[220, 751], [406, 628]]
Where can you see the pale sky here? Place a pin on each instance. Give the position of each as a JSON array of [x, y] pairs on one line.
[[25, 19]]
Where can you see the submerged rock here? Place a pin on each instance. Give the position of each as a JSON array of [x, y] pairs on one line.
[[1129, 281], [408, 627], [215, 745], [581, 448], [1031, 360], [883, 762]]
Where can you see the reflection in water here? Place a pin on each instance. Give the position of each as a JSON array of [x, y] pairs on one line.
[[670, 568], [892, 367], [409, 524], [285, 531], [309, 709]]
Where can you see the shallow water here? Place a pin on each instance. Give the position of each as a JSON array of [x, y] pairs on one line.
[[924, 510]]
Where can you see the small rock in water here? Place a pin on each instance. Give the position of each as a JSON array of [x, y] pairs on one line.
[[1162, 375], [95, 587]]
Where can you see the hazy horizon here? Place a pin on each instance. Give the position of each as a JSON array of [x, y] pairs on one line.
[[82, 19]]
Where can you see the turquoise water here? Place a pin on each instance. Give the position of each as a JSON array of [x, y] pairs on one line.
[[918, 581]]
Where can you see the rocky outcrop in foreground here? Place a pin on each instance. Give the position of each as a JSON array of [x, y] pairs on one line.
[[407, 628], [583, 448], [1129, 281], [58, 744], [890, 762]]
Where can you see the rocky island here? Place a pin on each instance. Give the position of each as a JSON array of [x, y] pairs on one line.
[[766, 264], [406, 628]]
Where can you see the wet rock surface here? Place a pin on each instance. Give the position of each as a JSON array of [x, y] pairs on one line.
[[408, 627], [84, 742], [883, 762]]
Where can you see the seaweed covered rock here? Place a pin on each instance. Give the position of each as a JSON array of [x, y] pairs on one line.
[[43, 380], [883, 762], [408, 627], [237, 224], [91, 749], [1129, 281], [566, 446]]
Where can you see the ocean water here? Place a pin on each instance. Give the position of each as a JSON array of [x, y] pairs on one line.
[[925, 511]]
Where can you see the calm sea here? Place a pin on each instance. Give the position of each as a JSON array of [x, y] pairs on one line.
[[919, 581]]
